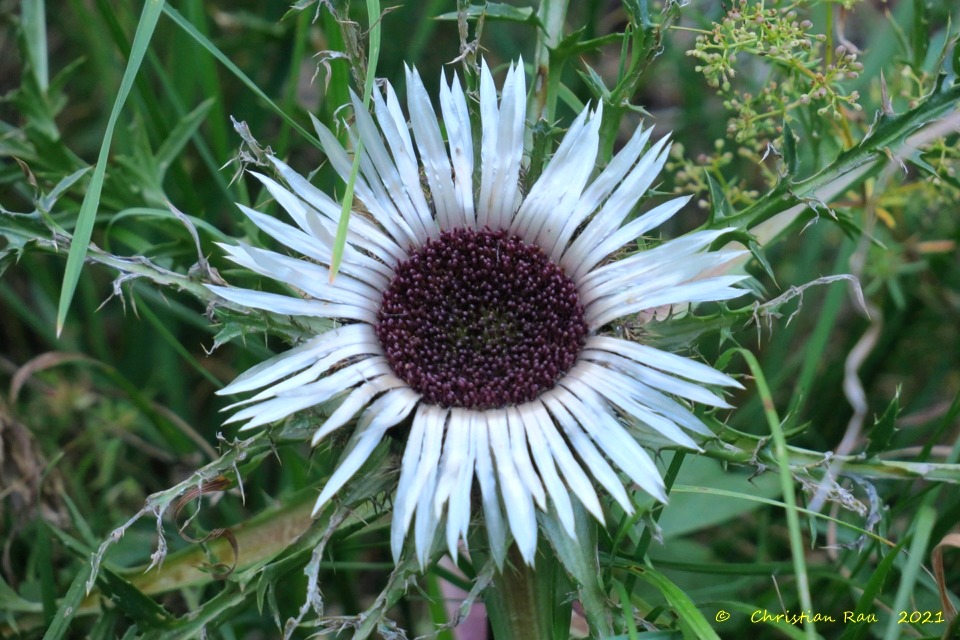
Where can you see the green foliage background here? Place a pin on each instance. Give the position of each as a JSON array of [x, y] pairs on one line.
[[772, 104]]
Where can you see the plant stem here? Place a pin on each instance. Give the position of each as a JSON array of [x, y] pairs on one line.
[[518, 603]]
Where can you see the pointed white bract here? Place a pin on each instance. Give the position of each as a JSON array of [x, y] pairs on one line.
[[416, 184]]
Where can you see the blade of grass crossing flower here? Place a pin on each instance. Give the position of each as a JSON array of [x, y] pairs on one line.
[[340, 241], [786, 481], [91, 201]]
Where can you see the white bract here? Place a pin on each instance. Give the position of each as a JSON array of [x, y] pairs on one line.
[[479, 316]]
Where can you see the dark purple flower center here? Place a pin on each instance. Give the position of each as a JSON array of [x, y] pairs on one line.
[[480, 319]]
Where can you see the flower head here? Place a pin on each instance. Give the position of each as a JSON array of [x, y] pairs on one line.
[[479, 315]]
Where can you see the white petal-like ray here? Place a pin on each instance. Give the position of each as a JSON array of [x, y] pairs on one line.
[[456, 117], [598, 191], [620, 203], [286, 305], [517, 500], [297, 358], [355, 264], [308, 395], [557, 192], [656, 276], [311, 278], [520, 455], [572, 472], [385, 172], [667, 254], [492, 515], [358, 398], [555, 488], [379, 205], [599, 468], [667, 362], [592, 414], [394, 127], [322, 228], [433, 420], [609, 309], [619, 389], [410, 465], [339, 353], [501, 148], [433, 153], [631, 231], [324, 205], [380, 192], [656, 379], [458, 509], [427, 525], [386, 412]]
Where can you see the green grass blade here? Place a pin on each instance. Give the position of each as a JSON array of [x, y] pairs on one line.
[[692, 623], [91, 201], [34, 23], [870, 593], [925, 519], [373, 14], [69, 606], [786, 481]]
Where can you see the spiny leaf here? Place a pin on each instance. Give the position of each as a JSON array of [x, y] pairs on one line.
[[721, 207], [884, 428], [496, 11]]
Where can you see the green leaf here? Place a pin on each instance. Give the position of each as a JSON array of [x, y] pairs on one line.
[[691, 511], [692, 623], [205, 42], [139, 607], [572, 46], [10, 600], [721, 207], [761, 257], [594, 82], [340, 240], [91, 202]]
